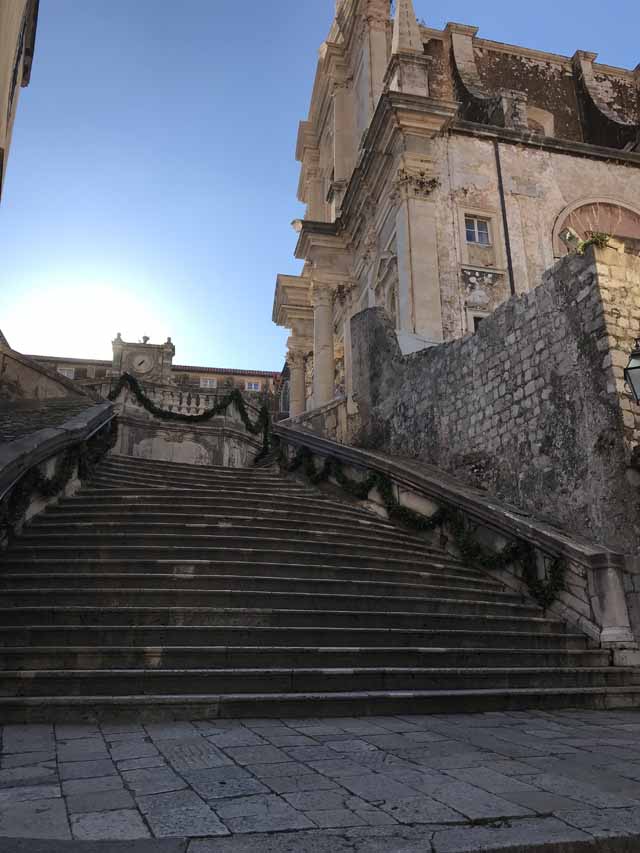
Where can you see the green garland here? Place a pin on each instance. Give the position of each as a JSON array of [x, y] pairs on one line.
[[234, 397], [81, 458], [471, 551]]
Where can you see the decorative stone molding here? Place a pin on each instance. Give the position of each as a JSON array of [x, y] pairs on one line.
[[604, 124], [417, 182], [506, 108]]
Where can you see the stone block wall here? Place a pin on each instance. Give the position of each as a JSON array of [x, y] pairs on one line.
[[532, 407]]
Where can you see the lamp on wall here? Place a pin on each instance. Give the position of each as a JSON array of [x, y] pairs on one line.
[[632, 372]]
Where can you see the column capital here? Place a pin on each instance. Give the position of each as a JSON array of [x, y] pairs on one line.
[[320, 294], [296, 357]]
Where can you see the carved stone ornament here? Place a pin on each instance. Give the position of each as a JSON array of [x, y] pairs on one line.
[[343, 293], [417, 182]]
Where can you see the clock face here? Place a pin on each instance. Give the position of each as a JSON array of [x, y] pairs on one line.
[[142, 363]]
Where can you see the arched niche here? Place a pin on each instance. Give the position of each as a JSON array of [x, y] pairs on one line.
[[604, 215]]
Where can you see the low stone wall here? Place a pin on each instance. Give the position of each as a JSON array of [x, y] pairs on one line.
[[532, 408], [331, 421], [21, 378], [222, 441]]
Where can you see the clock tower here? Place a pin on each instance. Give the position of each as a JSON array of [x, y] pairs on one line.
[[147, 362]]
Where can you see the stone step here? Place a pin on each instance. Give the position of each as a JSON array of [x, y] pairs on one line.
[[155, 636], [143, 708], [184, 468], [256, 550], [199, 530], [201, 657], [273, 504], [108, 470], [260, 599], [433, 574], [174, 524], [273, 617], [123, 581], [68, 514], [192, 681], [131, 482]]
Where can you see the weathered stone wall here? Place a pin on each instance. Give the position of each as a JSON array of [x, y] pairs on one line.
[[21, 378], [532, 407], [222, 441]]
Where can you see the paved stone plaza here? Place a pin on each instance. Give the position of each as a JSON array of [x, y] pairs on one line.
[[434, 784]]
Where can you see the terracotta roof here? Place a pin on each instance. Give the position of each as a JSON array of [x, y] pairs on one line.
[[180, 368], [183, 368]]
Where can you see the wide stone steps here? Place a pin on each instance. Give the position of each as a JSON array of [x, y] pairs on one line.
[[124, 614], [165, 590], [149, 708], [259, 599], [251, 550], [300, 680], [162, 637], [443, 575], [201, 533], [201, 657], [204, 582]]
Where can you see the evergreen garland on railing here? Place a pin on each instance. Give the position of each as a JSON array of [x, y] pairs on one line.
[[82, 458], [471, 551], [234, 397]]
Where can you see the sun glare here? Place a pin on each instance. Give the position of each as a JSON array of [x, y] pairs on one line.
[[79, 320]]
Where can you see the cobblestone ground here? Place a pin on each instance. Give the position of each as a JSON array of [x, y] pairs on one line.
[[436, 784]]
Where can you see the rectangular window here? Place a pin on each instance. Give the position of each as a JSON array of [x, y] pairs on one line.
[[477, 230], [253, 386], [208, 383], [101, 372], [67, 372]]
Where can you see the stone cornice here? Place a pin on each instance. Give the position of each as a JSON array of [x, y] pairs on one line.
[[291, 300], [546, 143]]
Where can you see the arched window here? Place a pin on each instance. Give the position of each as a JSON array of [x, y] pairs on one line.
[[604, 215]]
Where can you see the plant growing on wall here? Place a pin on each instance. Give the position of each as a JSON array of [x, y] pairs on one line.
[[519, 553]]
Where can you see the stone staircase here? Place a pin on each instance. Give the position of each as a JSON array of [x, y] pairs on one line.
[[172, 591]]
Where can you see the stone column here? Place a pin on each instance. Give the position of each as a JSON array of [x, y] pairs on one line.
[[419, 308], [323, 361], [297, 401]]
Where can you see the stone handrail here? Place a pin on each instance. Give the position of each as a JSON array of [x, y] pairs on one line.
[[600, 610], [19, 456]]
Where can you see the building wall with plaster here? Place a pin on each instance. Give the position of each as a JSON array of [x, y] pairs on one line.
[[412, 129]]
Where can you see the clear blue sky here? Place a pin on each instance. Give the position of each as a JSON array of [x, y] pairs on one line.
[[152, 178]]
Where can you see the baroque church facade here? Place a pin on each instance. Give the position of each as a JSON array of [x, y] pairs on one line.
[[443, 173]]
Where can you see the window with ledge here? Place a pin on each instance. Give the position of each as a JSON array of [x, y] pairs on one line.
[[67, 372], [253, 386], [475, 320], [209, 383], [477, 230], [480, 245]]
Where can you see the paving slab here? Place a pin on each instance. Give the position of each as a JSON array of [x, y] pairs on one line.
[[100, 801], [224, 782], [260, 813], [37, 819], [195, 753], [157, 780], [180, 813], [34, 738], [111, 825]]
